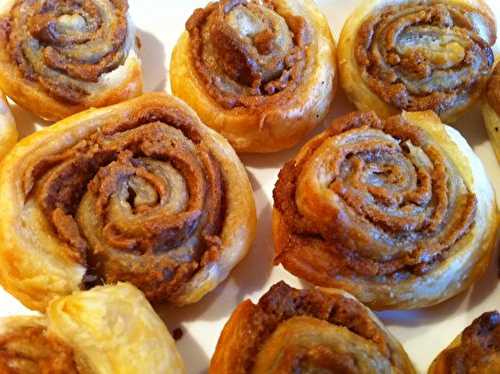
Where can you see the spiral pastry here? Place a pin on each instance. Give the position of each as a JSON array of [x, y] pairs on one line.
[[108, 330], [491, 110], [417, 55], [307, 331], [139, 192], [399, 212], [8, 130], [476, 350], [59, 57], [261, 73]]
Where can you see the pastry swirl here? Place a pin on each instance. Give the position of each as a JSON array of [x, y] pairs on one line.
[[417, 56], [144, 193], [110, 329], [292, 331], [491, 110], [68, 50], [475, 350], [8, 129], [382, 208], [251, 63]]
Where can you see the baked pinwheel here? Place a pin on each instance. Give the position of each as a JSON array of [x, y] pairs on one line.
[[307, 331], [261, 73], [140, 192], [8, 130], [417, 55], [491, 111], [108, 330], [398, 212], [476, 350], [60, 57]]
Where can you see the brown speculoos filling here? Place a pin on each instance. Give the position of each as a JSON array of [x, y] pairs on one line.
[[65, 44], [139, 201], [248, 53], [420, 57], [31, 350], [401, 203]]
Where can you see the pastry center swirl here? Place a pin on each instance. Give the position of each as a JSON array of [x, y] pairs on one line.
[[423, 56], [140, 202], [246, 51], [382, 195], [65, 45], [31, 351]]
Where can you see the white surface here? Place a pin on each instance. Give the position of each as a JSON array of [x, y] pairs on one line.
[[423, 332]]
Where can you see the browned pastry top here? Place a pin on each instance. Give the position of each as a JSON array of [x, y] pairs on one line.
[[282, 303], [493, 90], [64, 44], [30, 350], [479, 349], [247, 52], [424, 55], [140, 200], [372, 198]]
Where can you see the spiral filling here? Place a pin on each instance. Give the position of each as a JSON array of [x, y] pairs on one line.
[[247, 52], [306, 331], [66, 45], [424, 55], [140, 202], [31, 350], [479, 349], [379, 197]]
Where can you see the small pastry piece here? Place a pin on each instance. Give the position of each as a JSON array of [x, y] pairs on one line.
[[8, 130], [60, 57], [108, 330], [261, 73], [140, 191], [475, 351], [417, 55], [307, 331], [491, 111], [399, 212]]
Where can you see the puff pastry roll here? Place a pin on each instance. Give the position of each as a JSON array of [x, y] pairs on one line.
[[140, 192], [108, 330], [261, 73], [59, 57], [307, 331], [491, 111], [417, 55], [8, 130], [398, 212], [476, 350]]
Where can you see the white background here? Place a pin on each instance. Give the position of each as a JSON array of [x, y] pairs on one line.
[[423, 332]]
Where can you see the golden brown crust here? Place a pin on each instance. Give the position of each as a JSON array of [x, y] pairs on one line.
[[8, 130], [491, 111], [55, 82], [475, 350], [383, 68], [141, 192], [274, 88], [289, 330], [108, 330], [398, 212]]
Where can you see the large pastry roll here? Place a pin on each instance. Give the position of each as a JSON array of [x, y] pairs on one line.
[[398, 212], [417, 55], [8, 130], [307, 331], [261, 73], [140, 192], [475, 351], [108, 330], [491, 111], [59, 57]]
